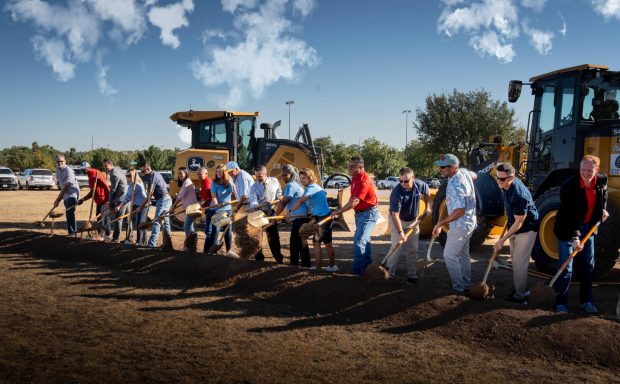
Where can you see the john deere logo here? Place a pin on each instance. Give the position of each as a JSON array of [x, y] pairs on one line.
[[194, 163]]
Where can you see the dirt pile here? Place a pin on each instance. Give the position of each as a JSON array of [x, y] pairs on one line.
[[320, 299]]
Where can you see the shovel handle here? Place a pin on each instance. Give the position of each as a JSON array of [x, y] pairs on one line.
[[493, 256], [430, 246], [325, 220], [283, 217], [220, 205], [575, 252], [49, 213]]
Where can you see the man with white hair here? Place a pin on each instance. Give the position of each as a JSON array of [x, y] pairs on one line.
[[243, 183], [69, 192], [461, 204], [265, 190]]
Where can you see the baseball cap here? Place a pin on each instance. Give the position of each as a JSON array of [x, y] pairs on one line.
[[232, 165], [446, 160], [85, 165]]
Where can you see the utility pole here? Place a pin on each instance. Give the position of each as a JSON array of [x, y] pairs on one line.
[[406, 112], [92, 143], [289, 103]]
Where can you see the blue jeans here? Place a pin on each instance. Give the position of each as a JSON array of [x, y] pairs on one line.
[[163, 204], [583, 264], [209, 230], [137, 219], [227, 236], [70, 214], [364, 224], [188, 226]]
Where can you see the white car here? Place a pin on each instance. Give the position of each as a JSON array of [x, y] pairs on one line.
[[36, 178], [81, 176], [338, 182], [388, 183], [8, 180]]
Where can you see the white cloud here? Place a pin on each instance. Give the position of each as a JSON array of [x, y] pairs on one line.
[[536, 5], [169, 18], [126, 16], [542, 41], [609, 9], [304, 7], [264, 53], [491, 44], [564, 28], [105, 88], [53, 52], [184, 134], [500, 15]]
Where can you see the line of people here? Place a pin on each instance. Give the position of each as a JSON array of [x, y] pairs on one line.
[[582, 204]]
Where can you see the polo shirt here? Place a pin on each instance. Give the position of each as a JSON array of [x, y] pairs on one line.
[[407, 203], [102, 192], [223, 195], [294, 191], [363, 189], [590, 197], [518, 201], [243, 183], [317, 200], [67, 176], [205, 191]]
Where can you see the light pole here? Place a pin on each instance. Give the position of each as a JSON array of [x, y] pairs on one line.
[[406, 112], [289, 103]]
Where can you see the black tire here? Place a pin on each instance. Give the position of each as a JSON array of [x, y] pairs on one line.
[[27, 187], [480, 233], [542, 253], [606, 243]]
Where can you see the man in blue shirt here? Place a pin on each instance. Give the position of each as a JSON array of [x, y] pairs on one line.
[[156, 185], [69, 192], [243, 183], [522, 228], [118, 189], [404, 207]]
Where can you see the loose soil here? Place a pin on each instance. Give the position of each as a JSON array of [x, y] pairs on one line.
[[76, 311]]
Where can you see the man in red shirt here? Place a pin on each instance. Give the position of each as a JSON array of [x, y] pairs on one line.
[[364, 202], [583, 201], [100, 194], [205, 200]]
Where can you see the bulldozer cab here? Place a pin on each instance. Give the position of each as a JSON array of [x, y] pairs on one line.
[[570, 106]]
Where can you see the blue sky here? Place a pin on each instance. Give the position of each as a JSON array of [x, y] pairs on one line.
[[116, 70]]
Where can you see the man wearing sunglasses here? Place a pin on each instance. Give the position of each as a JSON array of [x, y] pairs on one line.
[[69, 192], [522, 228], [461, 204], [364, 202], [404, 207]]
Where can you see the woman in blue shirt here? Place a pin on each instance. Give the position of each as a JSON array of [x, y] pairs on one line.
[[316, 199], [221, 191]]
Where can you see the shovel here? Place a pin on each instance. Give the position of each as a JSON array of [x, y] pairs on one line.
[[41, 223], [575, 252], [259, 219], [308, 229], [374, 268], [482, 291]]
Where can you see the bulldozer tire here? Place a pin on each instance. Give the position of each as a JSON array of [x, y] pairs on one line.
[[480, 233], [606, 242]]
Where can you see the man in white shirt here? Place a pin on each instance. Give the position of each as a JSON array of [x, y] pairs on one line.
[[262, 193]]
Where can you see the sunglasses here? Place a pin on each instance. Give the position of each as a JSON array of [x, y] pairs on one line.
[[444, 166], [502, 179], [60, 161], [405, 181]]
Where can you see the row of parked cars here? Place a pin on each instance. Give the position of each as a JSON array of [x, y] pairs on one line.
[[36, 178], [387, 183]]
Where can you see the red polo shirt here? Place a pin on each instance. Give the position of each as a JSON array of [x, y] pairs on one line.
[[205, 192], [590, 196], [102, 193], [363, 189]]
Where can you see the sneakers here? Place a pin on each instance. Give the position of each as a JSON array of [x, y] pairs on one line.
[[412, 280], [589, 308], [232, 254], [333, 268], [561, 308]]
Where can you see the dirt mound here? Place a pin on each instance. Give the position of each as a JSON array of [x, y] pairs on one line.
[[316, 299]]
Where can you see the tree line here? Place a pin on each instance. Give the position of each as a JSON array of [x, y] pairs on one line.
[[450, 122]]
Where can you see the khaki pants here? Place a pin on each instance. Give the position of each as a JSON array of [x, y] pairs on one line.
[[521, 246], [456, 256], [409, 248]]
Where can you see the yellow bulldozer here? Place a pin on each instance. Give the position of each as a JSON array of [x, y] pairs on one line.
[[222, 136], [575, 113]]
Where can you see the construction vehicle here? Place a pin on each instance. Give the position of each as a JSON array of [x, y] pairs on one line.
[[222, 136], [575, 113]]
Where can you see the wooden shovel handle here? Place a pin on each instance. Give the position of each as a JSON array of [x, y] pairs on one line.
[[283, 217], [493, 256], [575, 252], [325, 220]]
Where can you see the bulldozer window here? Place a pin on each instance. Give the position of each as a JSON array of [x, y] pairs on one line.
[[547, 111], [568, 99], [600, 101], [243, 141], [212, 132]]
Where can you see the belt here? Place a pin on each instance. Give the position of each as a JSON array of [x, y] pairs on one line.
[[365, 210]]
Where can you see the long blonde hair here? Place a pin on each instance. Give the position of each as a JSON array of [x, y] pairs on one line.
[[133, 173], [225, 179]]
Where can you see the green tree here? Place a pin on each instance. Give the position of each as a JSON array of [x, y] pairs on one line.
[[381, 159], [457, 122], [419, 158], [336, 156], [160, 159]]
